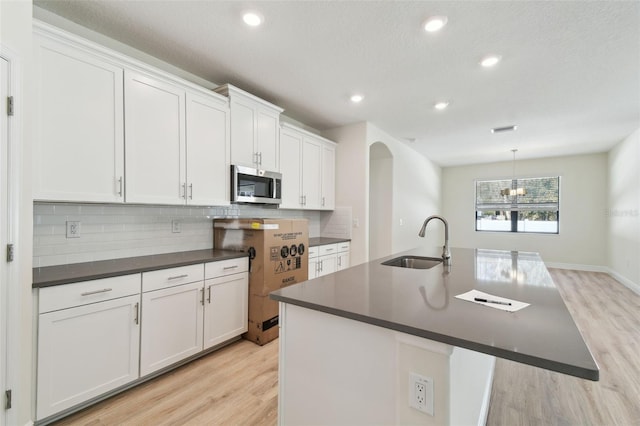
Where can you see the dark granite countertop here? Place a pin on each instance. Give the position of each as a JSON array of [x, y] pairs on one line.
[[320, 241], [76, 272], [422, 302]]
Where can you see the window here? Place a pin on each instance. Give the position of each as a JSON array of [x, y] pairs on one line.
[[502, 206]]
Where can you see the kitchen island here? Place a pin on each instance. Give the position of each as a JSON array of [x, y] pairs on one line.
[[350, 341]]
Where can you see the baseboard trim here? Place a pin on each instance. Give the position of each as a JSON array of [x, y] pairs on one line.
[[577, 267], [624, 281]]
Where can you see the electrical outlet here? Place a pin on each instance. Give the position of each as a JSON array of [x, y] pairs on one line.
[[176, 226], [73, 229], [421, 393]]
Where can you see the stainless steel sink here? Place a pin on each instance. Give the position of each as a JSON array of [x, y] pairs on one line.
[[414, 262]]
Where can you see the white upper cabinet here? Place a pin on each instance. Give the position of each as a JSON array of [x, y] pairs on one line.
[[307, 164], [208, 150], [79, 145], [155, 135], [311, 173], [291, 168], [255, 137], [328, 176], [112, 129]]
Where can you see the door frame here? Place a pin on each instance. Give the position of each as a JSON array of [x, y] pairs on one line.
[[11, 276]]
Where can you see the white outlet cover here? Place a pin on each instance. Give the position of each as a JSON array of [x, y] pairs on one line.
[[415, 399], [73, 229]]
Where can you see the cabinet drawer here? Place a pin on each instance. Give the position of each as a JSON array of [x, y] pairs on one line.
[[342, 247], [313, 251], [328, 249], [226, 267], [171, 277], [76, 294]]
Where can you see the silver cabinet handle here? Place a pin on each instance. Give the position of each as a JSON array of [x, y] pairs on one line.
[[184, 191], [137, 318], [202, 296], [226, 268], [255, 158], [177, 277], [339, 261], [191, 191], [322, 201], [120, 186], [320, 263], [328, 249], [89, 293], [260, 158], [209, 295]]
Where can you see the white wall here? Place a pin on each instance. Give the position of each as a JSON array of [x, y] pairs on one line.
[[582, 241], [416, 188], [624, 211], [15, 35]]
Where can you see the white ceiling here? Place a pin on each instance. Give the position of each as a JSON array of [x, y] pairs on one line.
[[569, 77]]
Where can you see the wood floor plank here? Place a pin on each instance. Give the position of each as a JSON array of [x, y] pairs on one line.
[[238, 385]]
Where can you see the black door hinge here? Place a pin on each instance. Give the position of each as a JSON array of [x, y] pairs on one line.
[[9, 105], [7, 404]]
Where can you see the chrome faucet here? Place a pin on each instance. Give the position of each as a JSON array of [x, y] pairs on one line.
[[446, 254]]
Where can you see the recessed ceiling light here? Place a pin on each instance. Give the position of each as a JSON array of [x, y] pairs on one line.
[[490, 61], [357, 98], [435, 23], [441, 105], [253, 19]]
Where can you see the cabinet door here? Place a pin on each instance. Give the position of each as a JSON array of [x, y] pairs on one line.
[[311, 173], [226, 308], [313, 268], [171, 325], [328, 176], [79, 143], [243, 133], [343, 261], [86, 351], [208, 157], [268, 140], [155, 141], [328, 264], [290, 167]]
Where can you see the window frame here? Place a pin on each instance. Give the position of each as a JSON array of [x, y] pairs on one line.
[[514, 213]]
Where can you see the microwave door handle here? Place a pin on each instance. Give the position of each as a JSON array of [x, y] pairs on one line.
[[273, 188]]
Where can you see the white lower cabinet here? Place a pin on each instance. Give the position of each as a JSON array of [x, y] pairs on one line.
[[96, 336], [88, 341], [172, 312], [328, 258], [226, 308]]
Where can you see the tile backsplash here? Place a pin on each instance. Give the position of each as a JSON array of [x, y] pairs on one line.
[[114, 231]]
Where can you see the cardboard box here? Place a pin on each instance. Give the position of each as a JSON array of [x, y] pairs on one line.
[[278, 257], [278, 250], [263, 320]]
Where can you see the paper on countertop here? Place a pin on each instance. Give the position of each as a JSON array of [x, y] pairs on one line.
[[470, 295]]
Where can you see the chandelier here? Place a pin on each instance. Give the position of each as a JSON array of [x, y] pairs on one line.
[[514, 190]]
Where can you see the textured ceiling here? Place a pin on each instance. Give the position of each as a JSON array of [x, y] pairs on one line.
[[569, 78]]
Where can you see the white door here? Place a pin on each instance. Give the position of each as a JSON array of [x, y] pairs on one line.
[[154, 141], [4, 226], [226, 308], [208, 158]]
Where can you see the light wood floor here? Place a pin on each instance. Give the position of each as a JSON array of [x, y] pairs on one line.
[[237, 385]]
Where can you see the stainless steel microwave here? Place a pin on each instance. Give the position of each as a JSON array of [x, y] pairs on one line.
[[256, 186]]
